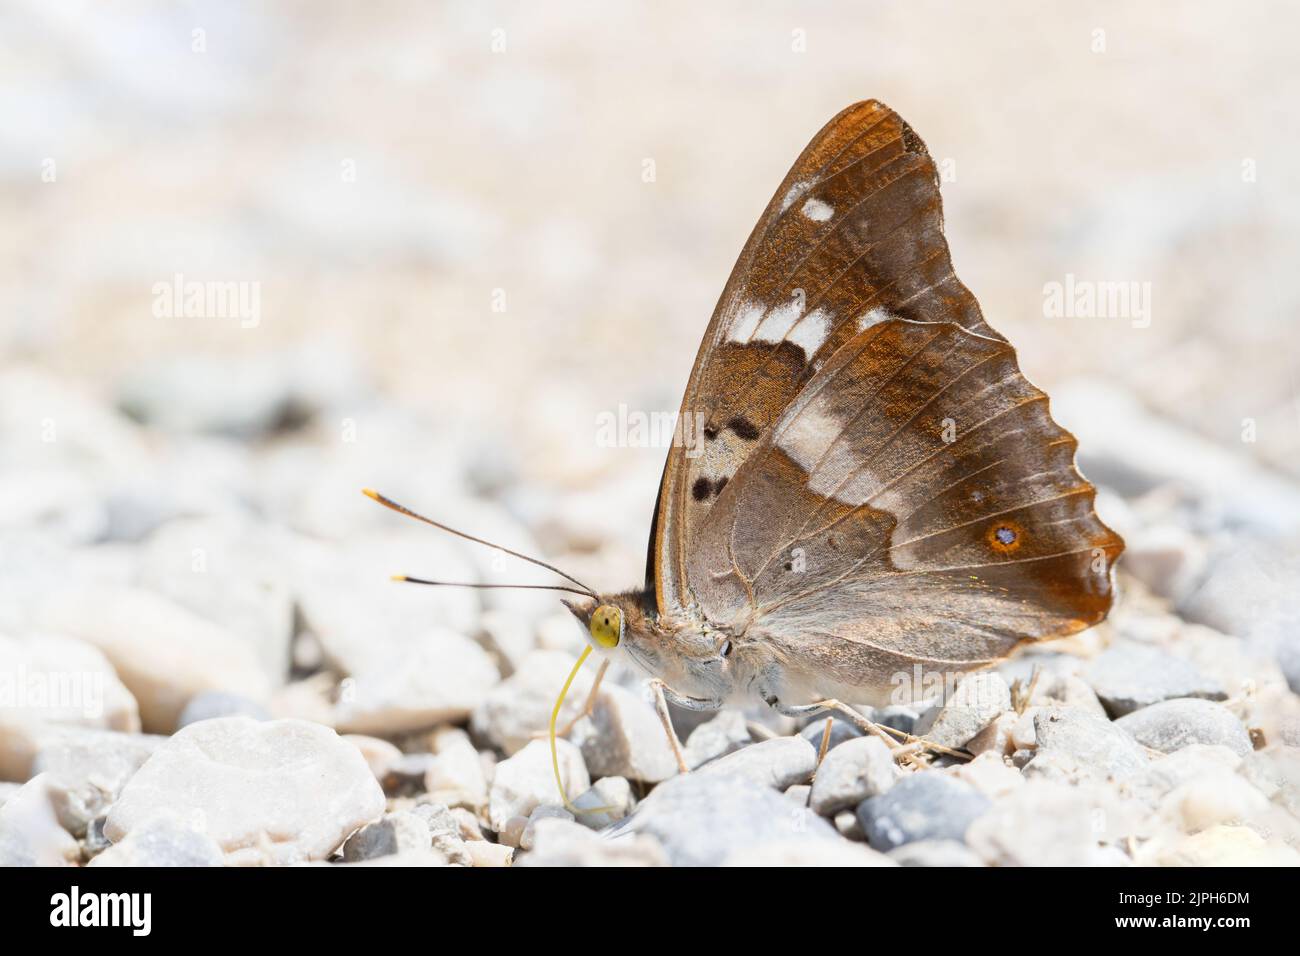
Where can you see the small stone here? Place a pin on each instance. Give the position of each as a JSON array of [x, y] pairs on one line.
[[401, 832], [613, 795], [923, 806], [841, 730], [162, 840], [1023, 735], [94, 842], [1128, 676], [30, 834], [379, 755], [276, 791], [849, 826], [976, 703], [163, 653], [406, 774], [62, 680], [512, 831], [559, 842], [996, 737], [904, 717], [1039, 824], [702, 818], [1099, 747], [799, 794], [780, 763], [470, 828], [541, 813], [1210, 761], [455, 775], [782, 853], [439, 677], [724, 734], [1174, 724], [989, 774], [1221, 846], [934, 853], [482, 853], [215, 703], [1209, 801], [86, 771], [526, 781], [624, 737], [852, 772], [520, 707]]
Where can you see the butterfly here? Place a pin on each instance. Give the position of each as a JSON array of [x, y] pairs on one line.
[[878, 494]]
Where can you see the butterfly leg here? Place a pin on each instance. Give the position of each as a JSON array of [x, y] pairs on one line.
[[844, 710], [663, 693]]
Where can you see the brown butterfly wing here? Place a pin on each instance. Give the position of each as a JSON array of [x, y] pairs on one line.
[[914, 504], [878, 483], [856, 225]]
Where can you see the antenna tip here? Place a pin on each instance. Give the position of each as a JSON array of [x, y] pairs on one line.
[[370, 493], [398, 577]]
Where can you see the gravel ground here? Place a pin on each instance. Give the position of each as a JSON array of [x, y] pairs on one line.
[[202, 659]]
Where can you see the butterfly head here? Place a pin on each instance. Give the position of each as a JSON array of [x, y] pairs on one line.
[[602, 619]]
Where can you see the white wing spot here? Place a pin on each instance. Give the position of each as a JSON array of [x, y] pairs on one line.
[[811, 331], [793, 193], [817, 211], [777, 323], [874, 317], [743, 326]]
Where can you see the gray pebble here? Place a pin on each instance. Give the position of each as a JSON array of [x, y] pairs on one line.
[[934, 853], [164, 840], [444, 832], [612, 796], [1129, 676], [849, 826], [1173, 724], [779, 763], [726, 733], [852, 772], [841, 730], [1096, 745], [978, 701], [904, 717], [398, 832], [702, 818], [924, 806]]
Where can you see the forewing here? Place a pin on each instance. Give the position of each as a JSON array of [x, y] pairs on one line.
[[854, 233]]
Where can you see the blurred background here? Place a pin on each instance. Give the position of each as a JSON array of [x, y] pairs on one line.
[[434, 243]]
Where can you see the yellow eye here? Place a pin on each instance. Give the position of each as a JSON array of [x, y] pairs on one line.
[[607, 626]]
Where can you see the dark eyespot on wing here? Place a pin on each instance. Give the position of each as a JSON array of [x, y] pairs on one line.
[[703, 488], [1004, 536], [743, 428]]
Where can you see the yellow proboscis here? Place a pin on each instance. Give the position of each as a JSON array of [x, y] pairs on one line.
[[555, 753]]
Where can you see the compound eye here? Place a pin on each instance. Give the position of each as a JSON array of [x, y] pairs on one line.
[[607, 626]]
